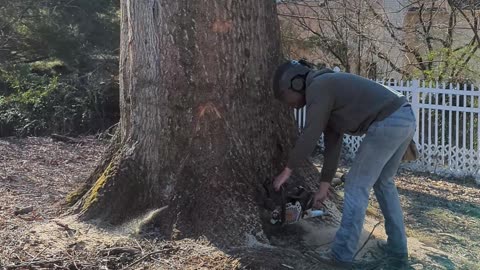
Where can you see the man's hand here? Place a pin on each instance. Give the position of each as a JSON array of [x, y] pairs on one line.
[[281, 178], [321, 195]]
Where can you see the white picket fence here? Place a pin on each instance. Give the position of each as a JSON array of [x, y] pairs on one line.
[[448, 128]]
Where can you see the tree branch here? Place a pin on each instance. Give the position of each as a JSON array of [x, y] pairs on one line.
[[389, 27]]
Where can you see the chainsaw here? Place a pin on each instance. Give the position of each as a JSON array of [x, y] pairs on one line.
[[289, 205]]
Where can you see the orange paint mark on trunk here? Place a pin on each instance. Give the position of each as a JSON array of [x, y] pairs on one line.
[[208, 107], [222, 26], [202, 110]]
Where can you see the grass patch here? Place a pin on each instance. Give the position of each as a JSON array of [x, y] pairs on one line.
[[47, 66]]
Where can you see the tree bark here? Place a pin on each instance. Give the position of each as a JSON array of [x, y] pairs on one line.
[[200, 130]]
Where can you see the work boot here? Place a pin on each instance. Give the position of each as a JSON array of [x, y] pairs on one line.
[[393, 259]]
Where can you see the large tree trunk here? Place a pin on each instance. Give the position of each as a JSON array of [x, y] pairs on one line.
[[199, 130]]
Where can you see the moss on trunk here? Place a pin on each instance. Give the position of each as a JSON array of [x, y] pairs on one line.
[[92, 195]]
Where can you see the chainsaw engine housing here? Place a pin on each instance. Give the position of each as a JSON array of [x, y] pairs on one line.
[[287, 205]]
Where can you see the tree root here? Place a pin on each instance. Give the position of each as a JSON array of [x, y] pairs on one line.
[[78, 193]]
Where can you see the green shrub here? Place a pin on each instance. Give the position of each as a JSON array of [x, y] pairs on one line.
[[36, 104]]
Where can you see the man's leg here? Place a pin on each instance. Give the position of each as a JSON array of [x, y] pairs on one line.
[[389, 201], [380, 144]]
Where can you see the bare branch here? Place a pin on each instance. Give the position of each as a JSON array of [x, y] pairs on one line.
[[473, 25], [458, 68], [304, 17], [390, 28]]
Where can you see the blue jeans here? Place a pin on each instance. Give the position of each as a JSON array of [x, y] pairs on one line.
[[375, 165]]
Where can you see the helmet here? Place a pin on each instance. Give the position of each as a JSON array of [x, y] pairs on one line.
[[290, 75]]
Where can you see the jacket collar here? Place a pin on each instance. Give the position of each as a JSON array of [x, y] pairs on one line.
[[315, 73]]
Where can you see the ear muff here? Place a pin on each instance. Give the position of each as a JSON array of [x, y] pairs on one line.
[[298, 84], [290, 75]]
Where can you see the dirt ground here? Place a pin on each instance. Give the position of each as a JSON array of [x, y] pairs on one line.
[[442, 217]]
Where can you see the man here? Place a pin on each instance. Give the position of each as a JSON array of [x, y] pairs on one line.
[[338, 104]]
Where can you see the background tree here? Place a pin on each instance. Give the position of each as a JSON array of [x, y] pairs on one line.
[[438, 40], [58, 66], [199, 129], [320, 30], [431, 40], [73, 32]]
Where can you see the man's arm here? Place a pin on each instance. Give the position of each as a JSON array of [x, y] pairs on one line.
[[318, 114], [333, 146]]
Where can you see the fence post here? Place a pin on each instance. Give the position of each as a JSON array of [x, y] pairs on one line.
[[416, 106]]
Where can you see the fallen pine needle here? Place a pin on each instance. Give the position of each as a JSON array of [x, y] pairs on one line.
[[143, 258], [29, 264]]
